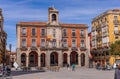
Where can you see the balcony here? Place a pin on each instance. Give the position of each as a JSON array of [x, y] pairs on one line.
[[74, 49], [53, 48], [24, 48], [33, 48], [105, 35], [116, 32], [116, 22], [24, 35], [42, 47], [82, 35], [65, 48], [104, 24], [83, 48]]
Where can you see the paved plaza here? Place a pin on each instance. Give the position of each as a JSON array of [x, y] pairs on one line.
[[79, 73]]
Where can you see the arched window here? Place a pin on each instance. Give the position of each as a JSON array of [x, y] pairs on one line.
[[53, 17], [23, 59], [82, 59]]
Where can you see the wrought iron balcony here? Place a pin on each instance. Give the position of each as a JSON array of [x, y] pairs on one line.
[[24, 48], [83, 48], [116, 32], [82, 35], [116, 21], [74, 49], [65, 47], [42, 47], [33, 48]]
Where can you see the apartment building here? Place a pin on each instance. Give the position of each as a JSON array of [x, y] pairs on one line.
[[51, 43], [3, 38], [105, 31]]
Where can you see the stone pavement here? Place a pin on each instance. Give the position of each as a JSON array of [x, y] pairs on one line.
[[79, 73]]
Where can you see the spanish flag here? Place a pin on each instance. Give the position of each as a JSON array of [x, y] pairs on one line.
[[49, 37]]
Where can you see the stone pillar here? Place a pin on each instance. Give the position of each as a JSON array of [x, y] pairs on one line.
[[68, 59], [27, 60], [79, 60], [39, 61], [18, 57], [86, 59], [60, 58], [47, 60]]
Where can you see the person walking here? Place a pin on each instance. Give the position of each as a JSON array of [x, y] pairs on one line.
[[117, 73], [68, 66], [73, 67]]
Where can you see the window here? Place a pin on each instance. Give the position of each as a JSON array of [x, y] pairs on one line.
[[53, 17], [23, 31], [82, 43], [64, 32], [82, 33], [73, 32], [33, 42], [73, 43], [54, 33], [116, 37], [33, 31], [23, 42], [115, 17], [65, 43], [42, 32], [42, 42], [54, 43]]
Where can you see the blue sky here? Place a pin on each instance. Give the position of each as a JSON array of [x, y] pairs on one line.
[[70, 11]]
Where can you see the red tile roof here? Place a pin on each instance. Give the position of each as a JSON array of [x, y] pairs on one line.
[[73, 25], [45, 23], [32, 23]]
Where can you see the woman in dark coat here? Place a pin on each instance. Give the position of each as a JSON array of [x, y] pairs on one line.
[[117, 73]]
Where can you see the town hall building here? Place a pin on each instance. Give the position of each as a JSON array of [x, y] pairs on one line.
[[43, 44]]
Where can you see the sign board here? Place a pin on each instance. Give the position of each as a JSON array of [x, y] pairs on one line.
[[15, 65]]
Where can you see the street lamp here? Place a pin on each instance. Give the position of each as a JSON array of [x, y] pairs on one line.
[[10, 47]]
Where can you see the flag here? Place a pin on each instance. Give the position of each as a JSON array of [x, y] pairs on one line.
[[49, 37]]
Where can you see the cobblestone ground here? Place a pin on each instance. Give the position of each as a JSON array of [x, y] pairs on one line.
[[79, 73]]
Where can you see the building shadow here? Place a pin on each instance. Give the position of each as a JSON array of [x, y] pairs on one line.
[[20, 72]]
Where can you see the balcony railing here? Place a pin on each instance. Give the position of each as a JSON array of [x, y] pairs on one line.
[[42, 47], [82, 35], [83, 48], [24, 48], [74, 49], [116, 21], [116, 32], [33, 48], [104, 24]]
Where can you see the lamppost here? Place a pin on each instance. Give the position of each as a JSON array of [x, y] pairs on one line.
[[10, 47]]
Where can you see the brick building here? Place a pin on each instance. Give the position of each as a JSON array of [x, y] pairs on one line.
[[52, 43]]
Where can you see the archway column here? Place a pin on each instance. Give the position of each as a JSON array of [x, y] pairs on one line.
[[68, 59], [79, 61], [39, 61], [60, 57], [47, 58], [27, 61]]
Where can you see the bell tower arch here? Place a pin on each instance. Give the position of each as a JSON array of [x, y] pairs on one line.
[[53, 16]]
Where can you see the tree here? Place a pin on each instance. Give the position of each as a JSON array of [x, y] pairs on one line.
[[115, 48]]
